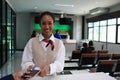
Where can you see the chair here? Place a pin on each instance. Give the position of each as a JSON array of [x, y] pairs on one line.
[[104, 66], [102, 51], [93, 51], [103, 56], [87, 59], [117, 68], [116, 56], [75, 55]]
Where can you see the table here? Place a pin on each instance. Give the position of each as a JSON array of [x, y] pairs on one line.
[[81, 76]]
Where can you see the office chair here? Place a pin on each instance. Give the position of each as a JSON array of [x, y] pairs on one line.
[[74, 57], [102, 51], [103, 56], [106, 66], [87, 59], [93, 51], [75, 54], [116, 69], [116, 56]]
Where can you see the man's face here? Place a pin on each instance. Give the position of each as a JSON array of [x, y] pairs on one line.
[[47, 25]]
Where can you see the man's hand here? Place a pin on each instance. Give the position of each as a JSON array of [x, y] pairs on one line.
[[45, 69], [17, 75]]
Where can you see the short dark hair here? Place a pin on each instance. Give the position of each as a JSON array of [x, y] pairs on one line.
[[85, 44], [47, 13], [57, 30], [91, 43]]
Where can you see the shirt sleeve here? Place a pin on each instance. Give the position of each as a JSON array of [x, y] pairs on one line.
[[58, 64], [8, 77], [27, 58]]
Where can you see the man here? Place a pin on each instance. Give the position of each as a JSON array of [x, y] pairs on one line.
[[57, 35], [16, 76]]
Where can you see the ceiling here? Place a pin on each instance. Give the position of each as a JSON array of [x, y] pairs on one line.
[[78, 7]]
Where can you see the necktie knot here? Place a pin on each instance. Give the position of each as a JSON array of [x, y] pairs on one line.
[[49, 42]]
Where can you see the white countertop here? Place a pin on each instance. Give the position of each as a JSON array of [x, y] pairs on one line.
[[81, 76], [68, 41]]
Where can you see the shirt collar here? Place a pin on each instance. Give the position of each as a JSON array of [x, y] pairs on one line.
[[51, 38]]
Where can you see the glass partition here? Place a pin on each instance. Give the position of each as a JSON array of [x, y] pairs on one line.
[[7, 28], [4, 32]]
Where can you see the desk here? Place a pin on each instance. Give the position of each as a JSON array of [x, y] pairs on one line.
[[69, 46], [81, 76]]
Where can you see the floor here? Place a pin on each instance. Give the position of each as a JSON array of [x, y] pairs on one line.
[[14, 64]]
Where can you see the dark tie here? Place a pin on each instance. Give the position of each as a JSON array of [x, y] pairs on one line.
[[49, 42]]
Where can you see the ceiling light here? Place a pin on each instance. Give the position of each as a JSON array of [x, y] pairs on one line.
[[64, 5]]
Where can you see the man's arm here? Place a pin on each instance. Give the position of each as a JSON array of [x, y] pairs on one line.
[[8, 77], [15, 76]]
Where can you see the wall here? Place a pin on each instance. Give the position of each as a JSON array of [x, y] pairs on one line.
[[115, 8], [77, 28], [113, 48], [22, 29]]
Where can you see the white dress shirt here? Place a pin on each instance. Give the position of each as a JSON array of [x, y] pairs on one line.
[[56, 66]]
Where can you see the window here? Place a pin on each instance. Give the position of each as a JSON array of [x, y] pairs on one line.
[[103, 22], [118, 34], [118, 20], [96, 31], [90, 36], [111, 33], [90, 24], [105, 28], [90, 31], [118, 30], [111, 30], [112, 21], [103, 34]]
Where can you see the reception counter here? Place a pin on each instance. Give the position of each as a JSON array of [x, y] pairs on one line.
[[81, 76], [70, 45]]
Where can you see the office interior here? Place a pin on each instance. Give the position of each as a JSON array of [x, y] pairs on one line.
[[16, 29]]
